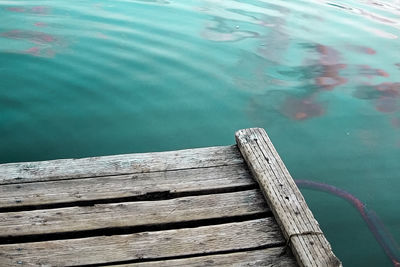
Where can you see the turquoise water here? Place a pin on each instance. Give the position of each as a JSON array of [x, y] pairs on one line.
[[87, 78]]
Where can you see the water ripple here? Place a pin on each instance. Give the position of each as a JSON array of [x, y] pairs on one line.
[[108, 77]]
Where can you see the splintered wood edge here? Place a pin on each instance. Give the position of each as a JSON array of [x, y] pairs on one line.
[[301, 230]]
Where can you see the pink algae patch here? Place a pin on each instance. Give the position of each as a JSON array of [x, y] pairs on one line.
[[301, 115], [382, 73], [45, 44], [369, 51], [301, 109], [40, 24], [329, 56], [330, 82], [389, 89], [386, 104], [330, 62], [38, 52], [38, 10], [369, 72], [389, 97], [16, 9], [32, 36], [33, 50], [362, 49]]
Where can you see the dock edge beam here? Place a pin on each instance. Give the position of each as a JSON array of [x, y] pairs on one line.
[[300, 228]]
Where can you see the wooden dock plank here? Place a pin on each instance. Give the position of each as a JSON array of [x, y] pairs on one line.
[[302, 231], [132, 214], [145, 245], [270, 257], [119, 164], [123, 186], [197, 207]]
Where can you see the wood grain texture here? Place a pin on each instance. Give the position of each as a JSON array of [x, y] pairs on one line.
[[132, 214], [270, 257], [12, 173], [123, 186], [299, 227], [144, 245]]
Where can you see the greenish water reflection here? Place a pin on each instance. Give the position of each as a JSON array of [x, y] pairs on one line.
[[109, 77]]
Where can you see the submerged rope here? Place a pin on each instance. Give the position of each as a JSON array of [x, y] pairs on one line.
[[372, 220]]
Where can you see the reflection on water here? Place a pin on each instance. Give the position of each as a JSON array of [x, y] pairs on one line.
[[326, 71], [44, 44], [110, 77], [299, 80]]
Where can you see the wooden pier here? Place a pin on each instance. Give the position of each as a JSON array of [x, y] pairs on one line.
[[217, 206]]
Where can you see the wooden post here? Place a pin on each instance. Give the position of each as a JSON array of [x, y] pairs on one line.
[[301, 230]]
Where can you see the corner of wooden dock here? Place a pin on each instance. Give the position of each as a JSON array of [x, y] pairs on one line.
[[295, 219], [216, 206]]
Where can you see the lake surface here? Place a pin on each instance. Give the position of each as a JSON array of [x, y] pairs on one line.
[[88, 78]]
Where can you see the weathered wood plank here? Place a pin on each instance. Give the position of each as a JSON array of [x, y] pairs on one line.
[[118, 164], [307, 241], [130, 214], [122, 186], [270, 257], [145, 245]]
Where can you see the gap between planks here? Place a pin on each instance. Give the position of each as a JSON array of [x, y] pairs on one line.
[[180, 182], [132, 214], [15, 173], [259, 233]]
